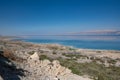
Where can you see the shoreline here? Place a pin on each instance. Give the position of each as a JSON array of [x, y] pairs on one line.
[[88, 52], [17, 39], [72, 46], [75, 60]]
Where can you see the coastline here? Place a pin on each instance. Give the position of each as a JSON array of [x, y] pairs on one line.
[[22, 39], [74, 60], [77, 43], [108, 53], [19, 39]]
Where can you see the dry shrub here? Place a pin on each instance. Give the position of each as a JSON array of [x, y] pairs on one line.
[[10, 55]]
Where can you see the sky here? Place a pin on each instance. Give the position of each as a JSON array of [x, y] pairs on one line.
[[43, 17]]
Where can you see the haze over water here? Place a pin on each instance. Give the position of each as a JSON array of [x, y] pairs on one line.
[[87, 42]]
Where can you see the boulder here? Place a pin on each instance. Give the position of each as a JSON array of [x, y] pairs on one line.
[[34, 57]]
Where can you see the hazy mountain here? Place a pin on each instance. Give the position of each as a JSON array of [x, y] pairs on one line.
[[98, 32]]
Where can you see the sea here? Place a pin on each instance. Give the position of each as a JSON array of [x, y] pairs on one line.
[[78, 41]]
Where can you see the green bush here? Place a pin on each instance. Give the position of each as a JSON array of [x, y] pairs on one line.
[[54, 52], [43, 57], [31, 53]]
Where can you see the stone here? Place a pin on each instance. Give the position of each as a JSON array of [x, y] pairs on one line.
[[1, 78], [34, 57]]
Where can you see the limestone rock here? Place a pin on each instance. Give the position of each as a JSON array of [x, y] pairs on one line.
[[36, 69], [46, 70], [1, 78], [34, 57]]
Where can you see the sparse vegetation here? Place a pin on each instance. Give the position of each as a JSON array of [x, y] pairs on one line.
[[72, 56], [68, 59], [54, 52], [43, 57], [98, 51], [10, 55], [31, 53], [97, 71], [112, 61], [72, 49], [53, 47]]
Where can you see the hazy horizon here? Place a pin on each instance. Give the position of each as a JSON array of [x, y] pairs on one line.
[[55, 17]]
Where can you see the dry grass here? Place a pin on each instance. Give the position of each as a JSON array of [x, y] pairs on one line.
[[10, 55]]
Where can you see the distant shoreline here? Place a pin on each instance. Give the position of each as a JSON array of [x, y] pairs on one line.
[[64, 42], [89, 52], [20, 39], [68, 46]]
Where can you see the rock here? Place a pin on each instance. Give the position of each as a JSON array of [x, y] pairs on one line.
[[34, 57], [117, 64], [1, 78], [46, 70]]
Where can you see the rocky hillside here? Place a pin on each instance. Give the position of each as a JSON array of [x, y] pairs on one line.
[[32, 68], [27, 61]]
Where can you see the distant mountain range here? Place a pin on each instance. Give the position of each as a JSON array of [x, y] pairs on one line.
[[84, 33], [97, 32]]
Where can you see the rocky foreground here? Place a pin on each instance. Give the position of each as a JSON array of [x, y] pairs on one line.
[[35, 69], [27, 61]]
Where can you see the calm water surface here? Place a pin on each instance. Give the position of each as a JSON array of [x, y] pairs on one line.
[[88, 42]]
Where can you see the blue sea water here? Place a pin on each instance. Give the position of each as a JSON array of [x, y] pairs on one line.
[[87, 42]]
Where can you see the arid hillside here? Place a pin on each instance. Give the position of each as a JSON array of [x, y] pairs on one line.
[[27, 61]]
